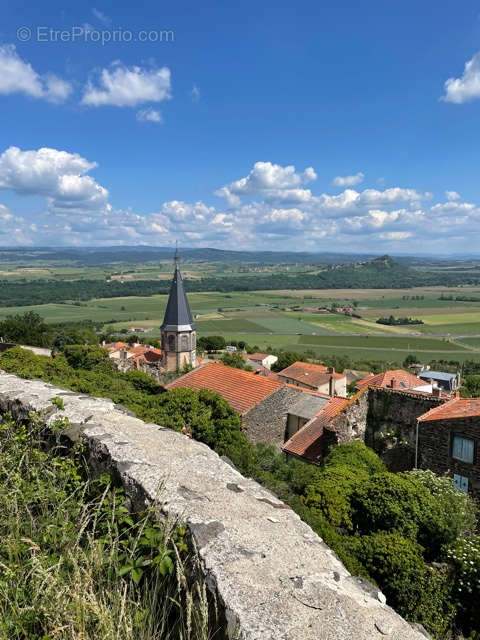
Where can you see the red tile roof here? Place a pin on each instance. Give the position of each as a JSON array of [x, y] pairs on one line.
[[313, 375], [137, 351], [257, 356], [242, 389], [456, 408], [153, 355], [115, 346], [401, 380], [308, 441]]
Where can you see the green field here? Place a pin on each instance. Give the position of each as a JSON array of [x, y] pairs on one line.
[[374, 351], [451, 329]]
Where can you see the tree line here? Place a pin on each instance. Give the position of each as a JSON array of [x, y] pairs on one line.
[[375, 274]]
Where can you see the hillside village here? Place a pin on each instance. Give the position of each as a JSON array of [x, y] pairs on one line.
[[341, 448], [413, 419]]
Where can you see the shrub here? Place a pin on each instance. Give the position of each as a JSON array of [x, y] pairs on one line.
[[456, 512], [331, 494], [355, 455], [394, 502], [89, 357], [415, 590], [464, 555]]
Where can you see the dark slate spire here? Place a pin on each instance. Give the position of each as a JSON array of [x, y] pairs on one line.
[[178, 316]]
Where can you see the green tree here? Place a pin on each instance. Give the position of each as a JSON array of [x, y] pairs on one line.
[[211, 343], [235, 360], [28, 328], [88, 357], [286, 358]]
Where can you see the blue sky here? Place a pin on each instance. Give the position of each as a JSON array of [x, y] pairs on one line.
[[339, 126]]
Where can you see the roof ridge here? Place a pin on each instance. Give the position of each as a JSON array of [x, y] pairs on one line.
[[434, 410]]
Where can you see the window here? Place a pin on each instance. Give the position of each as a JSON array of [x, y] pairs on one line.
[[462, 449], [460, 482], [171, 342], [184, 341]]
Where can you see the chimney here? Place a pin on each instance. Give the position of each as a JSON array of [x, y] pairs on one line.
[[123, 353], [436, 392], [457, 394], [392, 383], [103, 343], [330, 370], [331, 386]]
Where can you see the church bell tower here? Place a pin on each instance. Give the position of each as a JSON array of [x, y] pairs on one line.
[[179, 336]]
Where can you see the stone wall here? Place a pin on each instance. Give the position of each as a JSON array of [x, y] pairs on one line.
[[435, 448], [350, 424], [267, 421], [391, 424], [274, 577]]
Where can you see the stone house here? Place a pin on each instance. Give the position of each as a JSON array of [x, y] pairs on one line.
[[314, 377], [263, 403], [448, 439], [260, 360], [395, 379]]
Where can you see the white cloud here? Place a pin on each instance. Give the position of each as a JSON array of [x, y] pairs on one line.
[[270, 180], [364, 221], [396, 235], [122, 86], [18, 76], [466, 88], [195, 93], [57, 175], [104, 19], [452, 195], [149, 115], [348, 181]]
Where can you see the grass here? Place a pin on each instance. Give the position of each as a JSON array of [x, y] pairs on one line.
[[365, 349], [253, 313], [376, 342], [76, 565]]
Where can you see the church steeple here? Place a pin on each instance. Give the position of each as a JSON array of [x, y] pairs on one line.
[[178, 327]]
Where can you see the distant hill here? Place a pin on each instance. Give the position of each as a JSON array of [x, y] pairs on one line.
[[102, 256], [380, 273]]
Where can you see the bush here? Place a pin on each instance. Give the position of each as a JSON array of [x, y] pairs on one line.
[[456, 511], [415, 590], [88, 357], [464, 555], [395, 502], [355, 455], [331, 495]]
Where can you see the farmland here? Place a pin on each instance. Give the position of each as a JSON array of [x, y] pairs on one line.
[[300, 319], [279, 319]]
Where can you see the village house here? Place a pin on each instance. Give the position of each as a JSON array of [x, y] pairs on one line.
[[395, 379], [314, 377], [448, 439], [257, 360], [441, 379], [264, 404], [308, 442]]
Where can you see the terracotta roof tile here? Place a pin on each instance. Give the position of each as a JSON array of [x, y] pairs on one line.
[[308, 441], [242, 389], [257, 356], [456, 408], [308, 373], [401, 380]]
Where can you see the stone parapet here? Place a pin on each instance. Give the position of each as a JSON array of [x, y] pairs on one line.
[[274, 576]]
